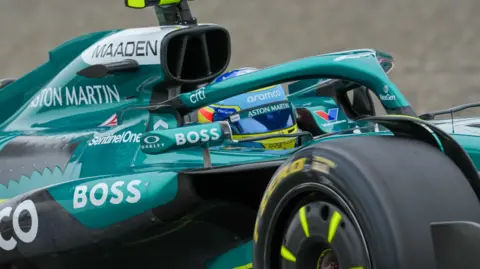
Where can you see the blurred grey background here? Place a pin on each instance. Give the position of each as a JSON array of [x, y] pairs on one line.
[[436, 43]]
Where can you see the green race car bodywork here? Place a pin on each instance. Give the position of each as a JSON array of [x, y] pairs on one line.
[[86, 159]]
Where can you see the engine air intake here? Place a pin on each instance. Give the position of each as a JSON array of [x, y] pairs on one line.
[[196, 55]]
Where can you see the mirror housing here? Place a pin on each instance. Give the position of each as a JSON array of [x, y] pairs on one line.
[[363, 102], [4, 82], [385, 60], [201, 135]]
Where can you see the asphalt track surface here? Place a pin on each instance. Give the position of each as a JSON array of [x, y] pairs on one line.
[[436, 43]]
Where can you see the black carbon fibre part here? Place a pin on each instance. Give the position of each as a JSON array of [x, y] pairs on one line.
[[140, 240], [25, 154]]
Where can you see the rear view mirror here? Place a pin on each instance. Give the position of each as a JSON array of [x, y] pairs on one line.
[[5, 82], [363, 102], [385, 60]]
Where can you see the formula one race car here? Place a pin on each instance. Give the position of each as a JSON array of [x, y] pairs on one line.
[[102, 165]]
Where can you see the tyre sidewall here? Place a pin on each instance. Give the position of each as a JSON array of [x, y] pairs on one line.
[[312, 179]]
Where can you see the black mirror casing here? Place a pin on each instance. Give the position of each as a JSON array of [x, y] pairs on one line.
[[363, 102]]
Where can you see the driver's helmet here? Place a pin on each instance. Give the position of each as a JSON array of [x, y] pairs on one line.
[[260, 112]]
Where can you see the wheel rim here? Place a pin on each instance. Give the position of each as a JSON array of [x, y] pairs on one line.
[[321, 236], [327, 260]]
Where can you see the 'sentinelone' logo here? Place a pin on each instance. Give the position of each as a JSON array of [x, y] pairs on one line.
[[125, 137]]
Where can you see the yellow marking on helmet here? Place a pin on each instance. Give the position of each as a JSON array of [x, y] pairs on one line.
[[237, 108], [287, 255], [275, 142], [3, 200], [278, 143], [287, 130], [202, 118], [332, 227], [246, 266], [303, 221]]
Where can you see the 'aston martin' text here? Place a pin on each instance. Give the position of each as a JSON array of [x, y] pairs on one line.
[[74, 96]]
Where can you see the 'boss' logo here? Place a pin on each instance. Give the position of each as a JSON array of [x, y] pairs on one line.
[[100, 193], [193, 137]]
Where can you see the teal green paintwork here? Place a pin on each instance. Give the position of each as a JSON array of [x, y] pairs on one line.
[[139, 193], [302, 87], [239, 256], [205, 135], [358, 66], [42, 103], [315, 104], [57, 98], [304, 96], [124, 150], [18, 93], [121, 92], [471, 144]]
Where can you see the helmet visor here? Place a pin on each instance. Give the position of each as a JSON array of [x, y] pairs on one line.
[[263, 119]]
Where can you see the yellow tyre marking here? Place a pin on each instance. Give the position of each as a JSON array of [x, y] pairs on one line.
[[255, 231], [332, 227], [358, 267], [325, 161], [249, 266], [287, 255], [287, 170], [304, 222]]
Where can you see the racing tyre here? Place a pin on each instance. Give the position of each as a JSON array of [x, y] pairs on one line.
[[358, 203]]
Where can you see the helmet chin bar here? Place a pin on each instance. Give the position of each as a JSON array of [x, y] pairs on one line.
[[304, 137]]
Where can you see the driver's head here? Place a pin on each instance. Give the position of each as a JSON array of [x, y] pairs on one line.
[[257, 113]]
